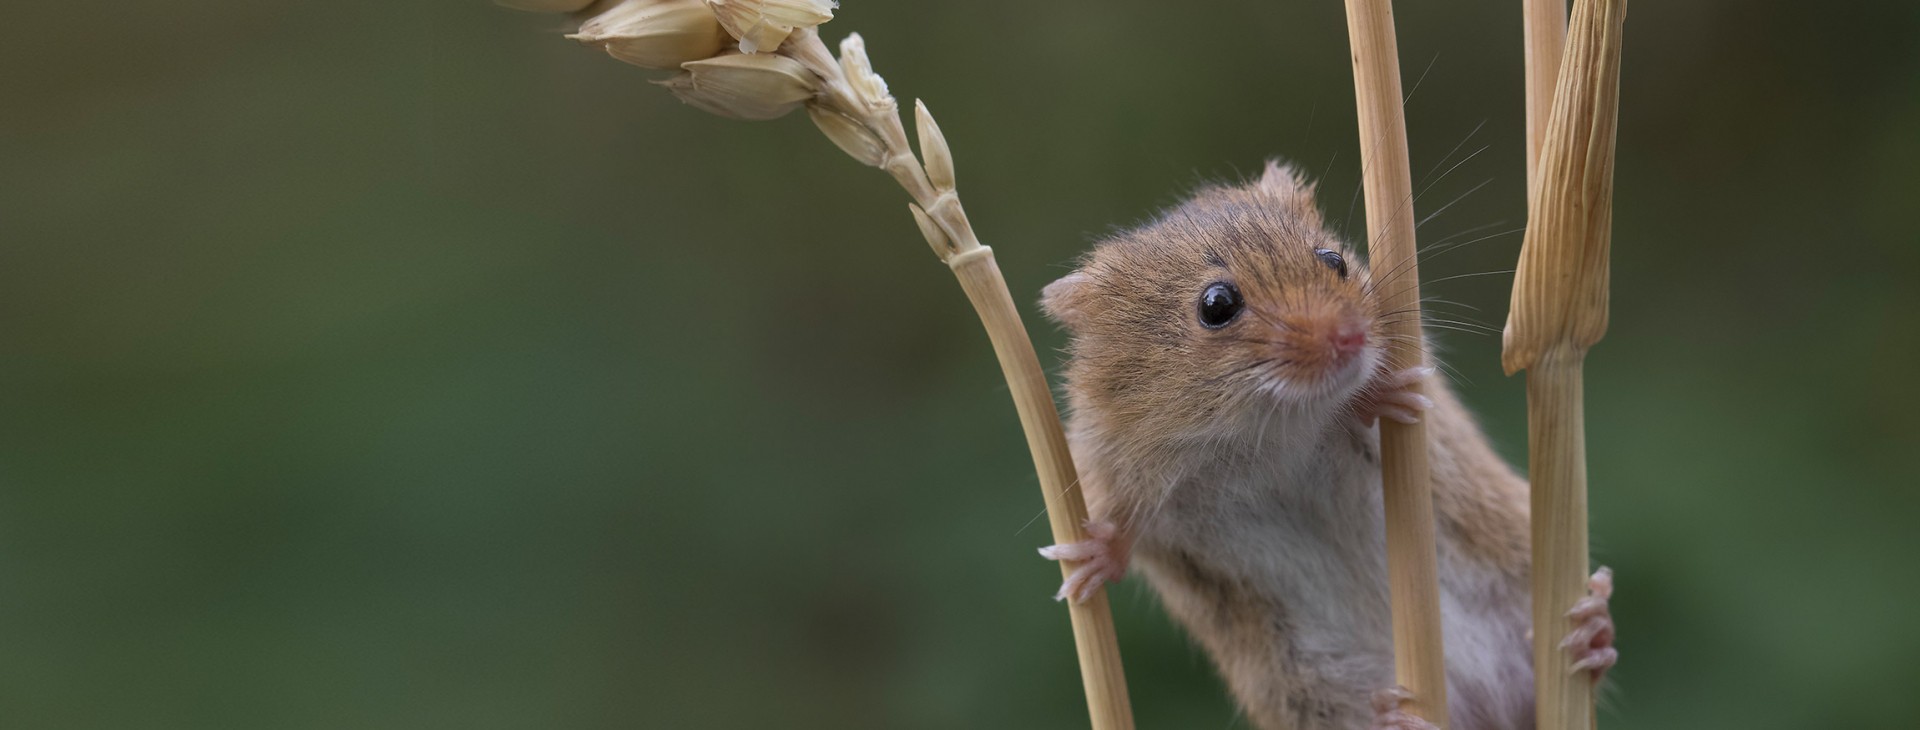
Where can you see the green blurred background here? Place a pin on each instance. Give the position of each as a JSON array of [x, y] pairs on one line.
[[404, 365]]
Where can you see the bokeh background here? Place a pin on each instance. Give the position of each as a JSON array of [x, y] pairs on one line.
[[403, 365]]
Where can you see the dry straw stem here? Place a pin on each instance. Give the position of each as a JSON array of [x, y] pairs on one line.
[[1093, 635], [1559, 311], [1412, 569], [1545, 24]]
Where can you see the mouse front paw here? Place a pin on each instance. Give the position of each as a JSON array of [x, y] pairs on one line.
[[1590, 644], [1389, 711], [1102, 559], [1393, 395]]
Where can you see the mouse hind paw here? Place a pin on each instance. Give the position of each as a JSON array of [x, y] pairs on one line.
[[1590, 643], [1102, 559], [1389, 711]]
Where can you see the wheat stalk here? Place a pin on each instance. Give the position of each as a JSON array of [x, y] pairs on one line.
[[1559, 311], [1407, 496], [1545, 26], [769, 61]]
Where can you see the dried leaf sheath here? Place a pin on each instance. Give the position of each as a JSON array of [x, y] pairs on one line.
[[1559, 310], [1560, 288]]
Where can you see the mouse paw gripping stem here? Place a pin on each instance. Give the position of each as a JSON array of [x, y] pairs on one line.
[[1590, 644], [1389, 711], [1394, 396], [1102, 559]]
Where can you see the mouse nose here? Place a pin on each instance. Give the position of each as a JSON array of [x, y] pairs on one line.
[[1347, 339]]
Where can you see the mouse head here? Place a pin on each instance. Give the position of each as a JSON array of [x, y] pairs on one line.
[[1232, 301]]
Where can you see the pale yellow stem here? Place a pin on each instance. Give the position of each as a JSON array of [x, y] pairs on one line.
[[1412, 568], [943, 222], [1100, 670], [1545, 25], [1557, 467]]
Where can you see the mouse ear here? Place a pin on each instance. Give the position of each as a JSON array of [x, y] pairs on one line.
[[1288, 185], [1065, 300]]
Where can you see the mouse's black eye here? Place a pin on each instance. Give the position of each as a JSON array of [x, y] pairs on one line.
[[1219, 304], [1333, 261]]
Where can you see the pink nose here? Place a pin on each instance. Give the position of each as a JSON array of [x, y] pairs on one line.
[[1348, 340]]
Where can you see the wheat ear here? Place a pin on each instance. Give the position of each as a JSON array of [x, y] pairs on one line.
[[769, 61]]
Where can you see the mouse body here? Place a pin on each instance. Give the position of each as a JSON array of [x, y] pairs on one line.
[[1226, 369]]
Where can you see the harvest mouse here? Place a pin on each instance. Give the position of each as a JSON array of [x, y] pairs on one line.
[[1225, 371]]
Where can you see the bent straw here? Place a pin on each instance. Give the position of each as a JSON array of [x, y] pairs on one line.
[[1412, 569], [944, 224], [853, 92], [1560, 311], [1093, 636]]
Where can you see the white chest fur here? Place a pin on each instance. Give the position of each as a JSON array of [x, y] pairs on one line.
[[1274, 558]]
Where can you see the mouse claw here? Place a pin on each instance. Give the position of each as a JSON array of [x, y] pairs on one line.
[[1389, 711], [1590, 643], [1102, 560], [1393, 396]]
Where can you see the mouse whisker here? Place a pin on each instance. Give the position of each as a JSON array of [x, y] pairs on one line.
[[1456, 166], [1460, 329], [1447, 327], [1419, 256], [1464, 232], [1442, 209], [1237, 371], [1434, 250], [1431, 315], [1434, 315], [1260, 437], [1419, 81], [1450, 153], [1442, 302], [1367, 163], [1437, 299], [1271, 319], [1407, 206], [1451, 242], [1384, 315], [1431, 356], [1428, 318], [1450, 278]]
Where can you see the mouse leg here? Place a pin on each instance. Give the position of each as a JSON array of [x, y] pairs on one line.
[[1102, 559], [1393, 395], [1388, 715], [1591, 642]]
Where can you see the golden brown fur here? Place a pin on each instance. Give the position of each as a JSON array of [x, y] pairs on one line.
[[1229, 459]]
